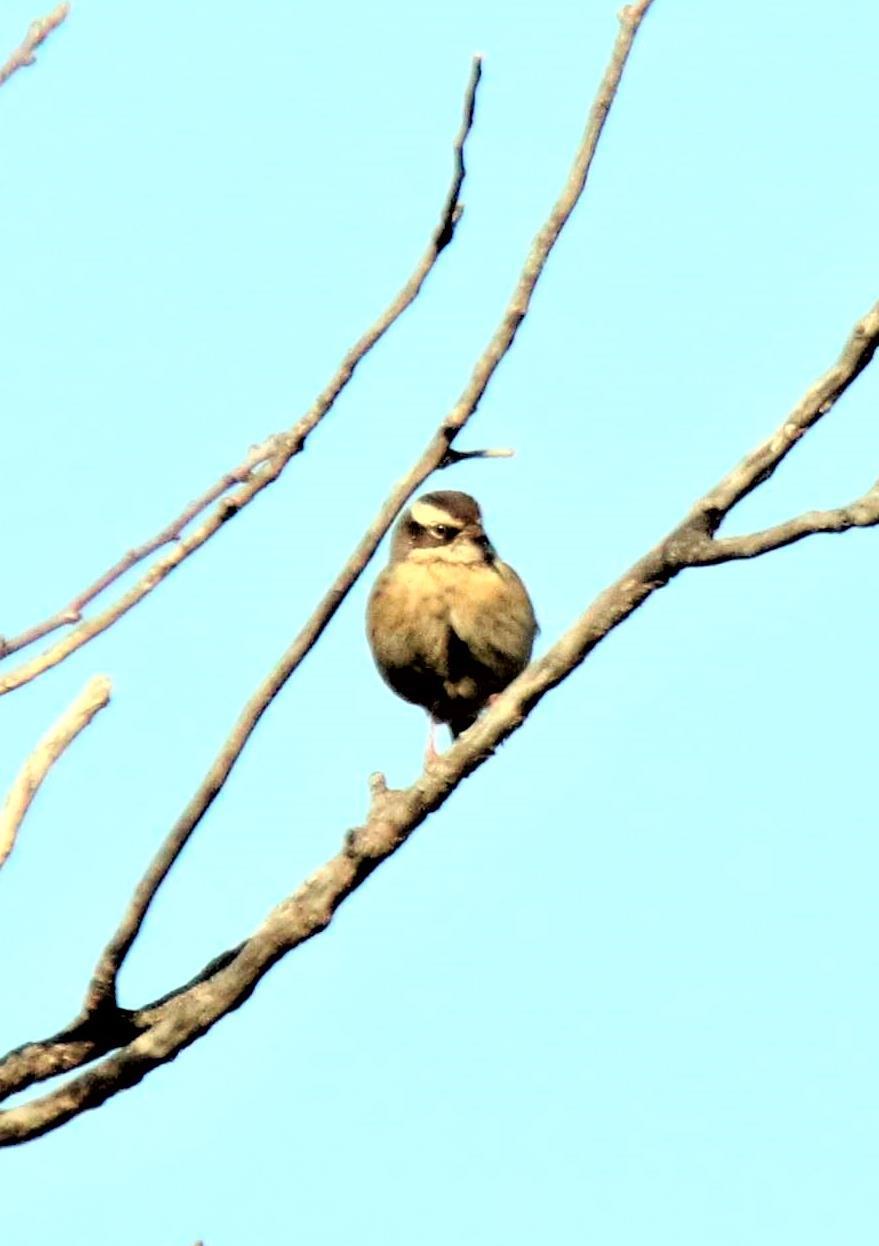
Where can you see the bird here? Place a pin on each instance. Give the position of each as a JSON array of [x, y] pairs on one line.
[[448, 622]]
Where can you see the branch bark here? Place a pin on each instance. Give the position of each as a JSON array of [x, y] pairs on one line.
[[862, 513], [756, 468], [38, 32], [76, 718], [72, 612]]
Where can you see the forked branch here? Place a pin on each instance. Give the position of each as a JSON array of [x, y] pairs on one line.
[[862, 513], [759, 465]]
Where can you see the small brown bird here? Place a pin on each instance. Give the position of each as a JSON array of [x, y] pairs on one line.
[[449, 623]]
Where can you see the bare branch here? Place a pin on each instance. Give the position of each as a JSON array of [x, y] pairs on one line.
[[72, 613], [759, 465], [102, 989], [38, 31], [862, 513], [452, 210], [260, 468], [93, 697], [91, 1035], [70, 1049]]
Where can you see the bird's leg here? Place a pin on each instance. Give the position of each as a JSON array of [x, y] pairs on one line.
[[430, 753]]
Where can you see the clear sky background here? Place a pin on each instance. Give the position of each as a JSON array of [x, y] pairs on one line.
[[623, 987]]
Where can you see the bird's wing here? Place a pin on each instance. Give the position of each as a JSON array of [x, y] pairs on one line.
[[495, 619]]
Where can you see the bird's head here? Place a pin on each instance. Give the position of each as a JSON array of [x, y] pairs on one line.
[[444, 526]]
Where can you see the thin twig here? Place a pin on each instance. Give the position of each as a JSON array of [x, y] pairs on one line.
[[695, 543], [38, 31], [103, 985], [255, 473], [757, 467], [452, 209], [72, 612], [453, 456], [862, 513], [93, 697]]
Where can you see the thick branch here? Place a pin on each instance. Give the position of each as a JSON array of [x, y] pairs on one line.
[[93, 697], [103, 985], [179, 1020], [38, 31], [260, 468]]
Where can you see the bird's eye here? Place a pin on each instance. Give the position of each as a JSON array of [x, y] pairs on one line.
[[442, 530]]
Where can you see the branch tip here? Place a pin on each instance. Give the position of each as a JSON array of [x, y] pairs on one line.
[[453, 456], [37, 33], [378, 785], [94, 697]]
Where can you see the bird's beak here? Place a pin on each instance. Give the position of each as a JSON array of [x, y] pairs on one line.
[[476, 533]]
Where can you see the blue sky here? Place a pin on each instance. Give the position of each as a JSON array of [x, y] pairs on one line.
[[622, 988]]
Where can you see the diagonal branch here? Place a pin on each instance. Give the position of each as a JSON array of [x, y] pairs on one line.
[[102, 990], [38, 31], [179, 1020], [72, 612], [263, 465], [759, 465], [862, 513], [76, 718]]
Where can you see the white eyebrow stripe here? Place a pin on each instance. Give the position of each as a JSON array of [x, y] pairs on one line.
[[426, 515]]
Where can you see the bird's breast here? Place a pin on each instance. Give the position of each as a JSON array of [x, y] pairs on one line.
[[435, 588], [447, 635]]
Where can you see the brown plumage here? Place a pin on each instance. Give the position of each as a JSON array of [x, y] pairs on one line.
[[449, 623]]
